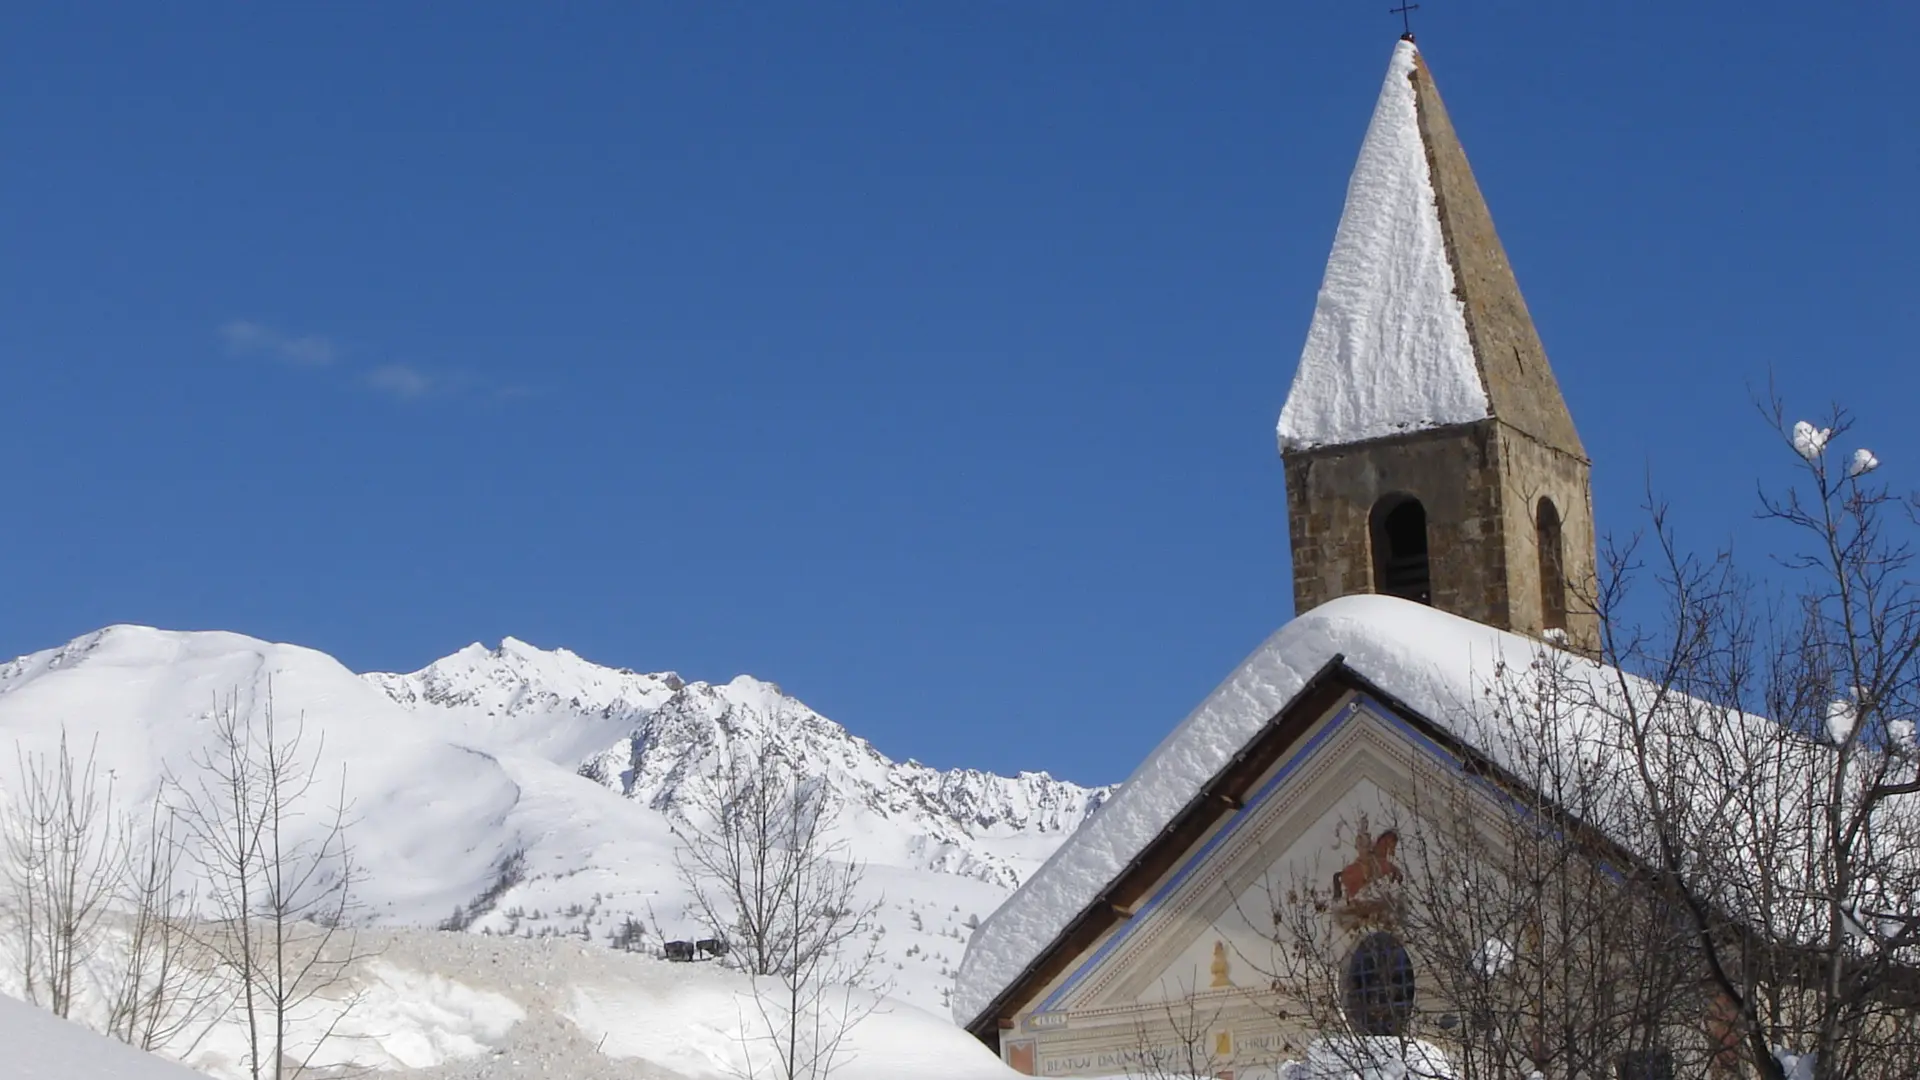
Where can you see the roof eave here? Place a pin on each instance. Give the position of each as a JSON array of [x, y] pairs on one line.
[[1335, 672]]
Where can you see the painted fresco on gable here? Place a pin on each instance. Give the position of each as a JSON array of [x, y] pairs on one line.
[[1359, 897]]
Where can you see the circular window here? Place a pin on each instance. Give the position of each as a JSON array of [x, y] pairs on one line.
[[1378, 987]]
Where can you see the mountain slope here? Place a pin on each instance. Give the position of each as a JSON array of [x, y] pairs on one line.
[[540, 780], [145, 701]]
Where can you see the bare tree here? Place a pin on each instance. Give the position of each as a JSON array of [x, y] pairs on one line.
[[1790, 842], [29, 825], [165, 988], [279, 875], [63, 854], [760, 858], [74, 869]]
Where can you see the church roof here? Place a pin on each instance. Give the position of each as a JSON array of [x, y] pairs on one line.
[[1456, 677], [1460, 679], [1427, 658], [1419, 322]]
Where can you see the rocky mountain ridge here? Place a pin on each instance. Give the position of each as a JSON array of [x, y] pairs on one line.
[[649, 736]]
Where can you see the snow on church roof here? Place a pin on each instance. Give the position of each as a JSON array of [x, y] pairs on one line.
[[1388, 349], [1432, 661], [1455, 673]]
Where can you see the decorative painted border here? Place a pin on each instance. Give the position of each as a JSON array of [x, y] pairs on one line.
[[1193, 860], [1191, 864]]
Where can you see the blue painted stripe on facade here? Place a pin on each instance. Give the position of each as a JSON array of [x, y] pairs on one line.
[[1193, 861], [1419, 739]]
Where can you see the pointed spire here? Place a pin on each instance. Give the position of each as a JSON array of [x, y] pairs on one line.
[[1419, 323], [1512, 362]]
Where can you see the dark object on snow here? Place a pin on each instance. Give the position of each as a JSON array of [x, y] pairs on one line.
[[680, 951], [712, 946]]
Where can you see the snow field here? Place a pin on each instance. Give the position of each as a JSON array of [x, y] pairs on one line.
[[41, 1046], [439, 1004]]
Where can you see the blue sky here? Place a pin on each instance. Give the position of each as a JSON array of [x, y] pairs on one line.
[[921, 358]]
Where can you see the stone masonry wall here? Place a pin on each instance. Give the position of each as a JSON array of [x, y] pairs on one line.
[[1534, 471], [1454, 472], [1480, 484]]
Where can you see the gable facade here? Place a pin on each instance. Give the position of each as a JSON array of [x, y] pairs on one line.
[[1196, 959]]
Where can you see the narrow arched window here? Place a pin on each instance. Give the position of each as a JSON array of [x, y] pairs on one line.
[[1553, 573], [1400, 549]]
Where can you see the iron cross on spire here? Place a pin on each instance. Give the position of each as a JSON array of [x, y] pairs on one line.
[[1405, 11]]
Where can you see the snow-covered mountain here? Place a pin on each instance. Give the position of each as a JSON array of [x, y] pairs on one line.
[[565, 771], [647, 736]]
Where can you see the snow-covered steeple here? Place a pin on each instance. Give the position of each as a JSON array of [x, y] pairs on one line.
[[1428, 452], [1419, 323]]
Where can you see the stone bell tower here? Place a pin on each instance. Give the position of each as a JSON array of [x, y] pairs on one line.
[[1428, 452]]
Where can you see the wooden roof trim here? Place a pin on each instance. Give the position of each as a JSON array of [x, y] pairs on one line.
[[1219, 796]]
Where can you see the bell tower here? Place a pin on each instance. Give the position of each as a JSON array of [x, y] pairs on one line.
[[1428, 452]]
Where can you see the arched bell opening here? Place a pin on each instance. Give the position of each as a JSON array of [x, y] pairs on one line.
[[1553, 571], [1400, 566]]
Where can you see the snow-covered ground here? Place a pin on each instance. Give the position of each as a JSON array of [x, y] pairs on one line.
[[440, 1005], [41, 1046]]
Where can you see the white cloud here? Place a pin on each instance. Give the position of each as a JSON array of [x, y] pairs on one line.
[[401, 381], [247, 338]]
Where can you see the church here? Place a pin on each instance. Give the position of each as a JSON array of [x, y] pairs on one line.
[[1441, 524]]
